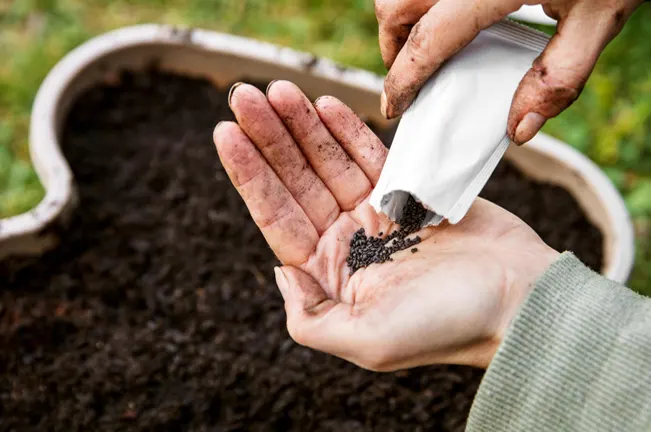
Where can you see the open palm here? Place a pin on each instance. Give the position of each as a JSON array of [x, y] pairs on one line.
[[305, 172]]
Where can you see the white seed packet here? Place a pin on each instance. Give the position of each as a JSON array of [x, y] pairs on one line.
[[453, 136]]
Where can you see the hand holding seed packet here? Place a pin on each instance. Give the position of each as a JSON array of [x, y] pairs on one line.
[[418, 36], [454, 135]]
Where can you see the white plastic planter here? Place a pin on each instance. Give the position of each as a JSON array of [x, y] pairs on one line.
[[225, 59]]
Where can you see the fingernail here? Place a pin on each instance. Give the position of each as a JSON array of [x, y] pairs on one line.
[[269, 87], [230, 93], [316, 102], [217, 127], [215, 137], [281, 281], [383, 104], [528, 127]]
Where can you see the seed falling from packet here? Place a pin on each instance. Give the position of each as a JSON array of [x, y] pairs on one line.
[[452, 137]]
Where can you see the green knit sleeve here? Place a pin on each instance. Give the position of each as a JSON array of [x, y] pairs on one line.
[[577, 357]]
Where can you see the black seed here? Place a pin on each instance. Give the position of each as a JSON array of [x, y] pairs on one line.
[[365, 251]]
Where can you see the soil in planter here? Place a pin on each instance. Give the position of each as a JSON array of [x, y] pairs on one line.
[[160, 312]]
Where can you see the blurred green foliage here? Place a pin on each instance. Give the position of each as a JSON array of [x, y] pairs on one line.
[[611, 122]]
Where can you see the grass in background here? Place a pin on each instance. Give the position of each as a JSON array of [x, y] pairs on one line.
[[611, 122]]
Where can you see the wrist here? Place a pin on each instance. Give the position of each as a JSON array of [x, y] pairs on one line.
[[522, 269], [522, 272]]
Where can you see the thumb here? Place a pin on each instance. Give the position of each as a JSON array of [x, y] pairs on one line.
[[315, 320], [302, 294], [558, 76], [310, 317]]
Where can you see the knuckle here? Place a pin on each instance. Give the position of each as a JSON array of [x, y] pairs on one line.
[[391, 13], [560, 84], [382, 8], [549, 91], [419, 42], [385, 9]]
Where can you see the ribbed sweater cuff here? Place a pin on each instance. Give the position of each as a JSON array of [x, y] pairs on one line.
[[577, 357]]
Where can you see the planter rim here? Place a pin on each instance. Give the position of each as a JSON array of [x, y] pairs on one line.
[[57, 179], [621, 262], [50, 164]]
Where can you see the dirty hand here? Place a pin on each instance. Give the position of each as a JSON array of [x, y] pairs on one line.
[[305, 172], [417, 36]]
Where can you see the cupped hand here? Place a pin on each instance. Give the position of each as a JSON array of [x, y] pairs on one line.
[[306, 172], [417, 36]]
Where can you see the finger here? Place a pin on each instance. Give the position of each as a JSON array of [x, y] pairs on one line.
[[392, 38], [354, 135], [558, 76], [395, 21], [284, 224], [263, 126], [339, 172], [444, 30]]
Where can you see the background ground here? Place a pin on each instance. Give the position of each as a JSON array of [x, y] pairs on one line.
[[611, 123]]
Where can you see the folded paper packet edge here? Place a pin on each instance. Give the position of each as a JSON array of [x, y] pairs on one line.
[[520, 34]]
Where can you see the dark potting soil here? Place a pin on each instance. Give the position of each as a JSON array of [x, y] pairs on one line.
[[550, 210], [160, 312]]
